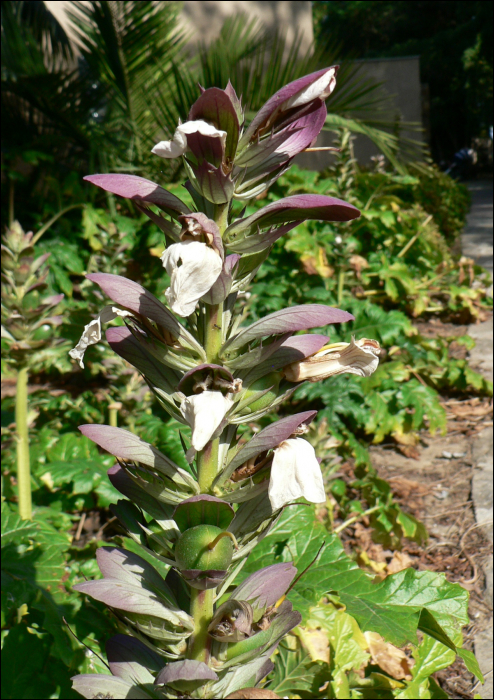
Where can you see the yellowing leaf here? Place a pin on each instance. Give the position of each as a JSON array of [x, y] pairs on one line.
[[47, 479], [405, 438], [400, 561], [316, 643], [317, 265], [358, 263], [157, 251], [377, 566], [392, 660], [345, 637]]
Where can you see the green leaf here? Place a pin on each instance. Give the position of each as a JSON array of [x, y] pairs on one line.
[[391, 607], [38, 572], [294, 672], [71, 446], [107, 493], [345, 637], [436, 692], [430, 626], [14, 529], [471, 663], [24, 655], [430, 656], [84, 475]]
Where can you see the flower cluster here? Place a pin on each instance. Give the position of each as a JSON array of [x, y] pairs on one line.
[[195, 527]]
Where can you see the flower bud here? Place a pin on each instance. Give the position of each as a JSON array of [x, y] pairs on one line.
[[201, 548], [260, 394], [232, 621]]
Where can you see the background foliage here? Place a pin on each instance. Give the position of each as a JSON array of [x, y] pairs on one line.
[[454, 42]]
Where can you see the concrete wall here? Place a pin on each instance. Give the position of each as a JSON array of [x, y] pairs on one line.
[[401, 80], [205, 18]]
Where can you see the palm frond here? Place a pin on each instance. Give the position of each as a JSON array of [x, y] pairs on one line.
[[32, 37], [122, 44], [399, 150]]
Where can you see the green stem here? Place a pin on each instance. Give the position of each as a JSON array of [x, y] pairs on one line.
[[350, 521], [201, 602], [207, 465], [341, 283], [113, 416], [214, 332], [23, 466], [201, 609]]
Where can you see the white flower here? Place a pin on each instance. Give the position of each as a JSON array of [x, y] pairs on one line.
[[295, 472], [322, 88], [358, 357], [92, 332], [178, 145], [204, 412], [193, 268]]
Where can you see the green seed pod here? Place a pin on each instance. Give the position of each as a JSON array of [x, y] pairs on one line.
[[195, 549], [255, 400]]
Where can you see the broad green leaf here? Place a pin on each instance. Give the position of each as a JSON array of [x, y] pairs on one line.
[[436, 692], [29, 669], [391, 607], [85, 475], [72, 446], [347, 642], [430, 656], [14, 529], [39, 571], [471, 663], [294, 672]]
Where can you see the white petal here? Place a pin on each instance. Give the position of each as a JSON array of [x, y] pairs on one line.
[[295, 472], [202, 127], [358, 357], [193, 268], [178, 145], [204, 412], [322, 87], [171, 149], [92, 332]]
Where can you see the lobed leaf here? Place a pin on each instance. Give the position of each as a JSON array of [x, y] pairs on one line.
[[391, 607]]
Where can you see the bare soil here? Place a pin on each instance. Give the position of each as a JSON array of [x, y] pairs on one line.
[[435, 486]]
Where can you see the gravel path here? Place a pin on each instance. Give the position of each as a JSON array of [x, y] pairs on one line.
[[477, 244]]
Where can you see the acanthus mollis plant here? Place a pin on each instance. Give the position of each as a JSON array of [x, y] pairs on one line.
[[186, 632], [27, 320]]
